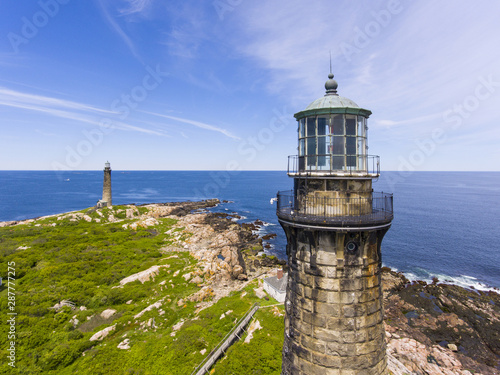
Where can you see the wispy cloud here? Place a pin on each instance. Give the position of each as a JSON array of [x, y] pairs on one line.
[[208, 82], [294, 51], [188, 30], [182, 43], [66, 109], [135, 6], [420, 119], [118, 30], [198, 124], [18, 99]]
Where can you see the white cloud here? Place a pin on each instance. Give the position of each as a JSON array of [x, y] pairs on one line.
[[292, 40], [11, 98], [187, 30], [198, 124], [135, 6], [421, 119], [118, 30], [66, 109]]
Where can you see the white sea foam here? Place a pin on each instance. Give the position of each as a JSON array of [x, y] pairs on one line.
[[236, 219], [469, 277], [464, 281], [259, 231]]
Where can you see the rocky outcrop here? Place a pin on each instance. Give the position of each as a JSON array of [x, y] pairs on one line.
[[179, 208], [99, 336], [108, 313], [216, 242], [143, 276], [124, 345], [440, 328], [148, 222], [155, 305], [63, 303]]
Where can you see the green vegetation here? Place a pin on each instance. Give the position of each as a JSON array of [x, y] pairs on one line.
[[83, 262], [262, 355]]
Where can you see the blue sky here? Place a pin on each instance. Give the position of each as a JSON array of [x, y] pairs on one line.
[[196, 85]]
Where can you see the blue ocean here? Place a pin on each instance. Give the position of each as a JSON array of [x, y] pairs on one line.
[[446, 224]]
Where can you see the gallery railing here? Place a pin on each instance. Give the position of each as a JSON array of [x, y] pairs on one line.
[[356, 211]]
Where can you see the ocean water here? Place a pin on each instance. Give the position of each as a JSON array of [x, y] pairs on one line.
[[446, 224]]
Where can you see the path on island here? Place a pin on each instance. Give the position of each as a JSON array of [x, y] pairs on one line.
[[226, 342]]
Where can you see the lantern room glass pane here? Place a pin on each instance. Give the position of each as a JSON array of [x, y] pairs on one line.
[[338, 146], [338, 125], [350, 125], [338, 162], [361, 126], [321, 152], [329, 149], [350, 146], [302, 147], [323, 126], [361, 146], [311, 126], [324, 163], [350, 150], [321, 145], [301, 128], [311, 146]]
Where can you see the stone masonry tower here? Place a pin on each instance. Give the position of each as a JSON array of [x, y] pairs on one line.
[[106, 187], [334, 224]]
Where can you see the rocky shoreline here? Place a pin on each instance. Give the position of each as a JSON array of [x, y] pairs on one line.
[[431, 328], [441, 329]]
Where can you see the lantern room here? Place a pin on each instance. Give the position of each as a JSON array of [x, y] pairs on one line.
[[332, 138]]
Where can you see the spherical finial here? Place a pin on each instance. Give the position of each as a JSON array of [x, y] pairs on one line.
[[331, 85]]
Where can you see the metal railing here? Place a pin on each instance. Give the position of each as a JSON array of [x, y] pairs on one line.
[[343, 165], [352, 211]]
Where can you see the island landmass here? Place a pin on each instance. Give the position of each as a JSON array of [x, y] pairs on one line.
[[143, 289]]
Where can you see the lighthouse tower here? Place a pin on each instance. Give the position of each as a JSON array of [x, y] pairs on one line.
[[334, 224], [106, 187]]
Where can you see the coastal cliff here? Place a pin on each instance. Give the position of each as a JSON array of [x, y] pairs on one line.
[[142, 289]]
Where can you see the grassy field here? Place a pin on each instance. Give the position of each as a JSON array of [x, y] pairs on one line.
[[83, 262]]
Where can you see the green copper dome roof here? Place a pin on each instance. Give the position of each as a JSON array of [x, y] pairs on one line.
[[332, 103]]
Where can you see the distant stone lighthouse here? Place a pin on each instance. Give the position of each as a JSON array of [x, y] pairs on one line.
[[106, 187], [334, 224]]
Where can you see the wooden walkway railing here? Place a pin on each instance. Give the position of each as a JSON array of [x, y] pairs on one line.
[[225, 343]]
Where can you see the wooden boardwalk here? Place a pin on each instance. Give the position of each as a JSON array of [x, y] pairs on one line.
[[226, 342]]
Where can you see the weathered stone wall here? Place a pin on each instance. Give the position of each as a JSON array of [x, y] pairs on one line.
[[334, 315]]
